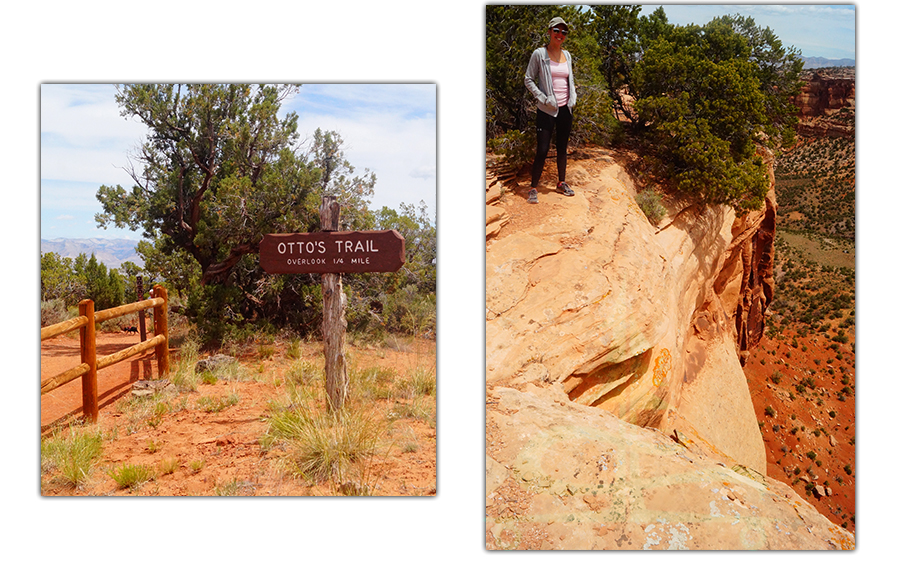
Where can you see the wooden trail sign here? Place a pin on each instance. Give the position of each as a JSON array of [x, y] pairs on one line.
[[332, 253]]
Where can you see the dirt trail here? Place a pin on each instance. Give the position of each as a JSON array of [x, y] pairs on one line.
[[219, 453], [63, 352]]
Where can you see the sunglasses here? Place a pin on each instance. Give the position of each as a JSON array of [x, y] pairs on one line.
[[562, 31]]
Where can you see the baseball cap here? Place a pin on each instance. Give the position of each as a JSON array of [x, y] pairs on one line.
[[557, 21]]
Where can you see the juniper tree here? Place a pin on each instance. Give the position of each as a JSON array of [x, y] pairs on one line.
[[218, 169]]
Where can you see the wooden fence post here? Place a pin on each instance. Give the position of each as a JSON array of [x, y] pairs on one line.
[[334, 324], [161, 327], [89, 403], [142, 325]]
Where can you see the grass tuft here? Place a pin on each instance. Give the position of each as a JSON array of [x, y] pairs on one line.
[[168, 466], [217, 404], [72, 454], [132, 475], [326, 446], [182, 375]]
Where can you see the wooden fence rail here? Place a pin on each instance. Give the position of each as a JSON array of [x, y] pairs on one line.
[[87, 370]]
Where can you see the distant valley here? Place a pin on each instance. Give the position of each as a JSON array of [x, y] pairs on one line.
[[111, 252]]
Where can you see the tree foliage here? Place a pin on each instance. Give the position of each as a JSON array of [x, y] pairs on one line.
[[615, 28], [513, 33], [217, 171], [709, 96], [72, 280], [700, 100]]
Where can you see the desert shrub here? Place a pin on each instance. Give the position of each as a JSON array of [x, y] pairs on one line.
[[235, 487], [514, 147], [182, 373], [141, 411], [421, 382], [651, 205], [424, 381], [53, 311], [406, 310], [415, 409], [168, 466], [294, 351]]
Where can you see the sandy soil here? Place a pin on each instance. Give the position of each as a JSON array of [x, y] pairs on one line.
[[227, 442], [789, 430]]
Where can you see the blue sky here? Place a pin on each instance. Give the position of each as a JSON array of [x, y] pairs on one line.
[[389, 129], [817, 30]]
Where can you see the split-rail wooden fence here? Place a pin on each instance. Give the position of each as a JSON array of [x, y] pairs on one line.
[[87, 320]]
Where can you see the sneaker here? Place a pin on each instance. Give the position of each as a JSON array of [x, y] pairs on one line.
[[563, 188], [532, 196]]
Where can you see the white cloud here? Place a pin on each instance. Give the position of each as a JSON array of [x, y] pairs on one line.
[[424, 172], [389, 129], [816, 30], [83, 137]]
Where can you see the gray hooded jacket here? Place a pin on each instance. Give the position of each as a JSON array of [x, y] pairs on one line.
[[540, 83]]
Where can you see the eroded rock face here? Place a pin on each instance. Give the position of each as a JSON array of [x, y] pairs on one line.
[[560, 475], [822, 94], [645, 322], [618, 413], [827, 106]]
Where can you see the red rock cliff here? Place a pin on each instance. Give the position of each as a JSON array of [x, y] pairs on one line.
[[827, 106]]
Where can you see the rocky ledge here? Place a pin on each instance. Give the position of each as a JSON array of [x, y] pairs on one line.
[[562, 476], [601, 324]]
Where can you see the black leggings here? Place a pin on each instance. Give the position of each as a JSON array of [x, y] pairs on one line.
[[545, 125]]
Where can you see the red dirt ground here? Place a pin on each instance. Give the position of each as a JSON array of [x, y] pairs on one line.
[[227, 442], [806, 416]]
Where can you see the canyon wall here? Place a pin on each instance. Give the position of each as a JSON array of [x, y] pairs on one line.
[[643, 321], [590, 305], [827, 105], [822, 94]]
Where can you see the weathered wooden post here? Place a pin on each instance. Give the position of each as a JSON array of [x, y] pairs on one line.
[[142, 325], [161, 328], [334, 323], [332, 253], [89, 403]]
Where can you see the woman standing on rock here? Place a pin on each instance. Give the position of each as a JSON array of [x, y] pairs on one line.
[[550, 79]]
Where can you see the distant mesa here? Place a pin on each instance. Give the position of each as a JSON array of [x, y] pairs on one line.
[[819, 62], [110, 252]]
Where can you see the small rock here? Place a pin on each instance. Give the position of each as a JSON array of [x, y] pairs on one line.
[[213, 363], [146, 388], [229, 439]]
